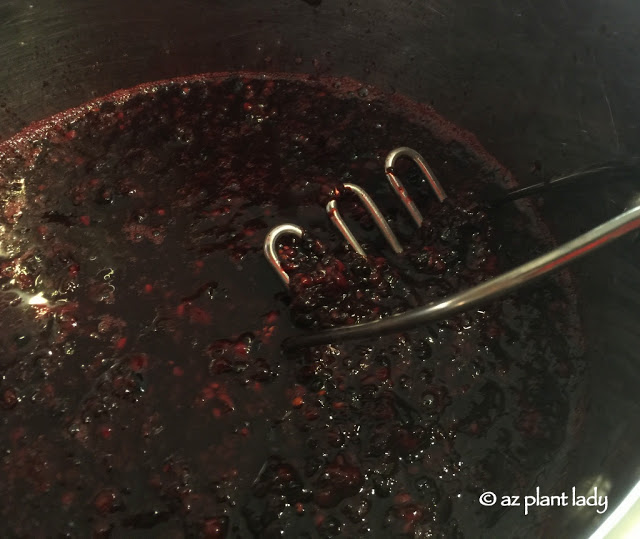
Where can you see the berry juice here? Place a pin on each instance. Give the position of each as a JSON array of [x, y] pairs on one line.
[[143, 389]]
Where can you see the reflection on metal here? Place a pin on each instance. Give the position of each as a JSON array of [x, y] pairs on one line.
[[375, 213], [624, 521], [399, 189], [271, 247]]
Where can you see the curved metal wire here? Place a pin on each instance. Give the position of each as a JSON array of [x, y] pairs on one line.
[[271, 247], [400, 190], [375, 213]]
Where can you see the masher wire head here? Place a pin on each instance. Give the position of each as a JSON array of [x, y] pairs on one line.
[[271, 241]]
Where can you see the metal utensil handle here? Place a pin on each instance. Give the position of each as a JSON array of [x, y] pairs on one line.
[[493, 288]]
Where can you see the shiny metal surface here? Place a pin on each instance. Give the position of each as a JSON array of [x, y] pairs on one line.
[[398, 187], [271, 247], [376, 215]]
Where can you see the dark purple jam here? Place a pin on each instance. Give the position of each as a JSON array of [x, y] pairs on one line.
[[143, 389]]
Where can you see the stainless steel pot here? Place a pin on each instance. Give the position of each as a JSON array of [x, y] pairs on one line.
[[547, 87]]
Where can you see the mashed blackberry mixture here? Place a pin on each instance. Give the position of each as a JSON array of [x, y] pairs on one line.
[[143, 389]]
